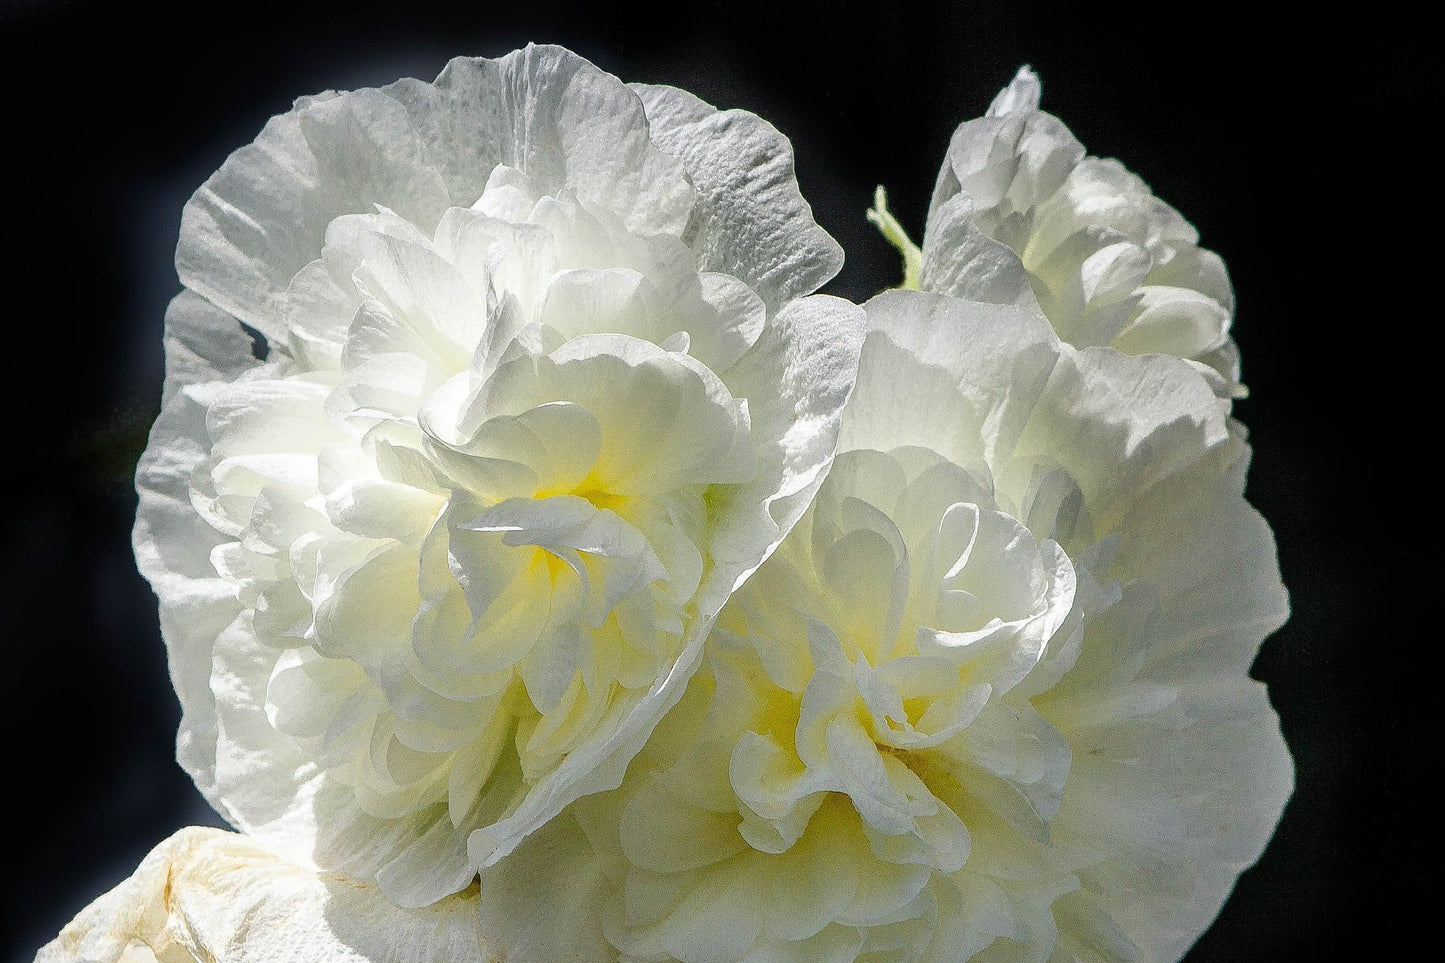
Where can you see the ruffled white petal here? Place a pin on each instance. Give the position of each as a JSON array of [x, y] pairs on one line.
[[574, 127], [172, 543], [962, 382], [797, 379], [417, 150], [263, 216], [751, 221]]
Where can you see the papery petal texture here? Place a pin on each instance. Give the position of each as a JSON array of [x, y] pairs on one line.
[[1020, 212], [205, 894], [534, 391], [989, 700]]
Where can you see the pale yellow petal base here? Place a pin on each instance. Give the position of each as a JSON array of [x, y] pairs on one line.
[[205, 895]]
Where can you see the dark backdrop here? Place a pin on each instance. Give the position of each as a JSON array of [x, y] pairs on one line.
[[1296, 148]]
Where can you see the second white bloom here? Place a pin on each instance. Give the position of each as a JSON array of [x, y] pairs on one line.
[[988, 701]]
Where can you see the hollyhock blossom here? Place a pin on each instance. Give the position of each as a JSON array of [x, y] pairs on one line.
[[989, 700], [1020, 213], [540, 383]]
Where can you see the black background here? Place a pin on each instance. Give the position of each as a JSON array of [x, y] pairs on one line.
[[1296, 147]]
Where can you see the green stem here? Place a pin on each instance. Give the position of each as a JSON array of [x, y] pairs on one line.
[[894, 234]]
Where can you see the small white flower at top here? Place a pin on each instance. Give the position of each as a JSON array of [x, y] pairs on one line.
[[1020, 213]]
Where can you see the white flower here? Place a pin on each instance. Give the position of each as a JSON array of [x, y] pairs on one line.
[[989, 699], [205, 894], [543, 388], [1020, 214]]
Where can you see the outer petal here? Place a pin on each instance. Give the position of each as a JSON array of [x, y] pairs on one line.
[[574, 126], [1210, 558], [463, 117], [172, 543], [751, 220], [263, 216], [1180, 775], [797, 379], [956, 376], [544, 904], [418, 149], [1119, 425], [205, 894], [203, 344]]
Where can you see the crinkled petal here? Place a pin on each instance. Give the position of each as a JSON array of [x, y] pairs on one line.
[[172, 543], [751, 220], [263, 216], [544, 903], [574, 127], [205, 894], [960, 259]]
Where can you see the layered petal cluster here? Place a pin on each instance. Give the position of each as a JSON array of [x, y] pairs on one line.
[[1021, 213], [536, 382], [989, 700]]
